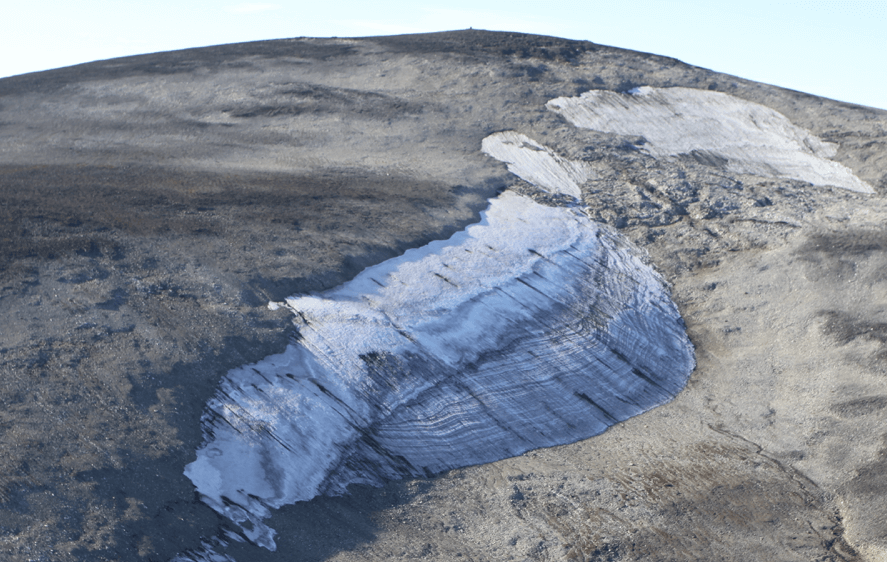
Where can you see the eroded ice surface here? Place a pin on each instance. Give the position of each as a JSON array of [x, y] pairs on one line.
[[714, 126], [537, 164], [535, 327]]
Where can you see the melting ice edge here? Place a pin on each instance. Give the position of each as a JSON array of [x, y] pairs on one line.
[[535, 327]]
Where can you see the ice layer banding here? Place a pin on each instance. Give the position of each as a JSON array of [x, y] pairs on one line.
[[535, 327]]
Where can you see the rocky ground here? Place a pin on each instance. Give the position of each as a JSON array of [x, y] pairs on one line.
[[151, 206]]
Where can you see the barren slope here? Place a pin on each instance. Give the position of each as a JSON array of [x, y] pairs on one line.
[[151, 207]]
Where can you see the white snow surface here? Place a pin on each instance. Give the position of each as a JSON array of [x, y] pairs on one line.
[[537, 164], [753, 138], [533, 328]]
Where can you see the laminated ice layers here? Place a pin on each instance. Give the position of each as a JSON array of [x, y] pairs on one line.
[[535, 327], [712, 126]]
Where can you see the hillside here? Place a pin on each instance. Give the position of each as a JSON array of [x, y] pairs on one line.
[[152, 207]]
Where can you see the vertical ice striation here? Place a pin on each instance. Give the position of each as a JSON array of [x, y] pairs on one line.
[[752, 138], [535, 327]]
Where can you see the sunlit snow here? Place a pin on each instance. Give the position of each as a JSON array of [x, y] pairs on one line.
[[537, 164], [751, 138]]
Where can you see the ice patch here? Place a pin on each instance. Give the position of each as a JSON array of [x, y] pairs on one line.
[[537, 164], [752, 138], [535, 327]]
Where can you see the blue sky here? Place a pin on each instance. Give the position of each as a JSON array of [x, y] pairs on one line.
[[833, 49]]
